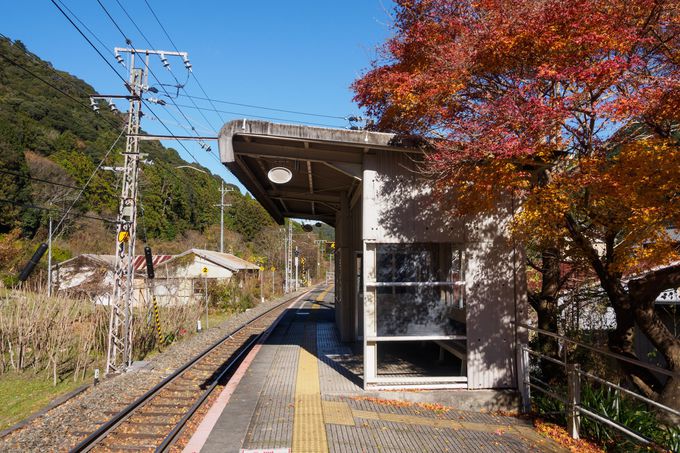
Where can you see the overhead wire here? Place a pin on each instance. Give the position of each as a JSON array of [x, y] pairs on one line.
[[274, 109], [87, 183], [43, 208], [90, 43], [212, 101], [84, 25], [33, 178], [129, 41], [165, 31], [51, 85], [119, 76], [36, 76], [242, 114]]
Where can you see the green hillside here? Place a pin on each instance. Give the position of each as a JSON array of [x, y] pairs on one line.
[[46, 135]]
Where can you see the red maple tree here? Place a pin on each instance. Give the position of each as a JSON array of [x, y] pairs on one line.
[[570, 105]]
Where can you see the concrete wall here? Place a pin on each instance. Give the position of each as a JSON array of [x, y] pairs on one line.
[[398, 208]]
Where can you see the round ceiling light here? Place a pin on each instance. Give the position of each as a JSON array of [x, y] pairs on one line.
[[279, 175]]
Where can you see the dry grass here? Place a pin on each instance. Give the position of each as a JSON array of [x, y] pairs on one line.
[[65, 336]]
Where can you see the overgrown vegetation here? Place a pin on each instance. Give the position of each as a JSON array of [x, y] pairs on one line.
[[67, 337], [616, 406]]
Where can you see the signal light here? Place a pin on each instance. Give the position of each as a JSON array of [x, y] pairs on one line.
[[148, 257]]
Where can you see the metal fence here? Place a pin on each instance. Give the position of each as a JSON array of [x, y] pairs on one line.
[[575, 377]]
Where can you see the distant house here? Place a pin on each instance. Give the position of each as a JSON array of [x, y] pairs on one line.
[[176, 275]]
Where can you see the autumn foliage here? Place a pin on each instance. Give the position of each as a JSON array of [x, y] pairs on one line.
[[569, 106]]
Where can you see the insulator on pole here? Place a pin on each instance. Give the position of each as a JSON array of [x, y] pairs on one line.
[[28, 268], [149, 262]]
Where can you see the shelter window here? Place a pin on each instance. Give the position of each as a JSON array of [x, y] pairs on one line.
[[419, 290], [416, 315]]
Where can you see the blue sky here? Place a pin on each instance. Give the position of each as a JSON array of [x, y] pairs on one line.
[[292, 55]]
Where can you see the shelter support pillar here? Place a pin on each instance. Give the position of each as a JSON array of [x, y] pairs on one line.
[[344, 303]]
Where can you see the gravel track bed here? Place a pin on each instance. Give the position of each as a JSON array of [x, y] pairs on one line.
[[62, 427]]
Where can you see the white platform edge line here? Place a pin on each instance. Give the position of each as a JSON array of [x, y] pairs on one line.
[[200, 436]]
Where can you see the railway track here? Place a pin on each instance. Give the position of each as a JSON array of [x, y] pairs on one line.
[[154, 421]]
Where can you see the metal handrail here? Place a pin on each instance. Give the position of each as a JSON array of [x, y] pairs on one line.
[[604, 352], [629, 392], [543, 356], [572, 403], [613, 424]]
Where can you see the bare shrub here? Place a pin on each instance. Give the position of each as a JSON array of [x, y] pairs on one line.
[[55, 334]]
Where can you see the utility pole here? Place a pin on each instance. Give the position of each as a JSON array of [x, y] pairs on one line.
[[288, 241], [49, 258], [222, 205], [119, 351], [297, 261]]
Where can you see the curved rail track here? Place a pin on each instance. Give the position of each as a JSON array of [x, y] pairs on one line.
[[155, 420]]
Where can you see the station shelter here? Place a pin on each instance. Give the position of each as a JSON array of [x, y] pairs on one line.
[[416, 289]]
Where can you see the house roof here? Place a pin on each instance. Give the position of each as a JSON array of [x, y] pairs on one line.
[[226, 260], [326, 164], [139, 263]]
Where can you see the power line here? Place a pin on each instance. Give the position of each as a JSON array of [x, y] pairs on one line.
[[295, 112], [90, 42], [241, 114], [54, 87], [43, 208], [83, 24], [129, 42], [90, 178], [33, 178], [89, 109], [175, 47], [117, 74]]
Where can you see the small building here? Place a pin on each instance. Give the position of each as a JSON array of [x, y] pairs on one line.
[[91, 275], [432, 300]]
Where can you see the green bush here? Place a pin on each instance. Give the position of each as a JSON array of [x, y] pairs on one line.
[[610, 403], [233, 296]]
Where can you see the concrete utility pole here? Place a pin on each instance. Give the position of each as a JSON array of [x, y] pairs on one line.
[[49, 259], [288, 244], [222, 205], [119, 351], [297, 261]]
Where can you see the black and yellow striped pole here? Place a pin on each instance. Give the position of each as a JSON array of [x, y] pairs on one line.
[[157, 318], [148, 257]]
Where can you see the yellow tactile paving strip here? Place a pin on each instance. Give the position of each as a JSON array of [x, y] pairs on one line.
[[322, 296], [337, 413], [309, 430]]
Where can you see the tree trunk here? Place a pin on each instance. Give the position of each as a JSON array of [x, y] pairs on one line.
[[621, 341], [643, 294], [545, 305]]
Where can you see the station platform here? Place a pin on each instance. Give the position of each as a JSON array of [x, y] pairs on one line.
[[300, 391]]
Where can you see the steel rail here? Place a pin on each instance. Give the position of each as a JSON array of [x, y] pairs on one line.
[[98, 435], [177, 429]]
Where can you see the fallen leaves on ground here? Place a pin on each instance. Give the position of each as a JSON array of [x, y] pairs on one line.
[[434, 407], [560, 435]]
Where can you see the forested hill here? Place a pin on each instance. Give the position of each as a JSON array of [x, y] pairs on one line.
[[48, 135]]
